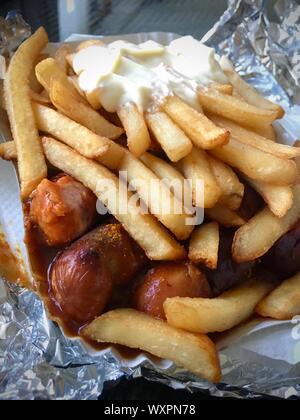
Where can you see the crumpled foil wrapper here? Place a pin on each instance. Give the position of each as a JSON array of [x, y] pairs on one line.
[[38, 362]]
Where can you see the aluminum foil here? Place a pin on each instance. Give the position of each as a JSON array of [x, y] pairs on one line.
[[265, 52], [38, 362]]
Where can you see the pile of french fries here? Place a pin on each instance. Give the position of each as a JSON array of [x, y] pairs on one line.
[[229, 144]]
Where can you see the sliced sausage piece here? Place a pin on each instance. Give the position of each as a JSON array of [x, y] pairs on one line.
[[64, 209], [82, 277], [168, 280]]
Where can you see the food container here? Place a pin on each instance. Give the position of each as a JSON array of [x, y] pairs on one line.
[[259, 357]]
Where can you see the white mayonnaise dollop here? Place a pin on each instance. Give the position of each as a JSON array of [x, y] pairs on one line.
[[123, 72]]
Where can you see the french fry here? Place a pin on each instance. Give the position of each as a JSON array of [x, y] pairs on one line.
[[196, 167], [283, 302], [267, 131], [93, 99], [61, 57], [111, 159], [225, 216], [157, 196], [203, 132], [157, 243], [67, 103], [48, 70], [226, 89], [89, 43], [246, 91], [234, 109], [71, 133], [219, 314], [278, 198], [257, 236], [204, 245], [134, 329], [231, 187], [79, 109], [252, 139], [31, 162], [169, 174], [8, 150], [257, 164], [161, 168], [172, 139], [79, 137], [138, 138]]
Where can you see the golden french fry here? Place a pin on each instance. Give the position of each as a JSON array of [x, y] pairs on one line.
[[248, 137], [61, 57], [204, 245], [278, 198], [162, 168], [41, 99], [172, 178], [138, 138], [224, 216], [111, 159], [73, 134], [31, 162], [196, 167], [79, 137], [219, 314], [172, 139], [134, 329], [160, 200], [89, 43], [48, 70], [8, 150], [231, 187], [68, 104], [203, 132], [267, 131], [157, 243], [257, 236], [283, 302], [226, 89], [93, 99], [247, 92], [257, 164], [74, 104], [234, 109]]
